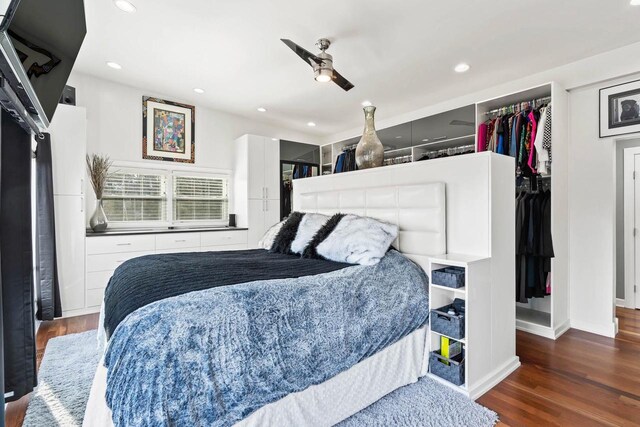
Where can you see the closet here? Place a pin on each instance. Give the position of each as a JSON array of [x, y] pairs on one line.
[[531, 127], [297, 160], [256, 185]]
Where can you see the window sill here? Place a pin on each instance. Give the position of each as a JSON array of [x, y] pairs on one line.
[[151, 230]]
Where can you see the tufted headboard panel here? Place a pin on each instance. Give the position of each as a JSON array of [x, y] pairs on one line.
[[419, 211]]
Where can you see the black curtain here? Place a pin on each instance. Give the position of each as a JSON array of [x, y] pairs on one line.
[[47, 287], [16, 259]]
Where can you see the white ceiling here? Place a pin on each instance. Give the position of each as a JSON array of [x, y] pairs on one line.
[[397, 53]]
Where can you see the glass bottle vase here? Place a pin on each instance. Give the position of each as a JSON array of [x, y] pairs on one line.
[[369, 151]]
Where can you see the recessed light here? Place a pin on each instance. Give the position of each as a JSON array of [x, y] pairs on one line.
[[311, 124], [125, 6], [425, 140], [635, 2], [198, 90], [274, 139], [398, 137], [366, 103], [114, 65], [462, 67], [262, 109]]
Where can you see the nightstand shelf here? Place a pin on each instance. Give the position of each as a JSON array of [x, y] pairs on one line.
[[486, 338]]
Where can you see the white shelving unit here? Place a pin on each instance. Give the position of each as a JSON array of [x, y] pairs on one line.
[[549, 316], [487, 349]]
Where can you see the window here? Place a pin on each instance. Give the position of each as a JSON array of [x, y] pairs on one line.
[[136, 196], [199, 198]]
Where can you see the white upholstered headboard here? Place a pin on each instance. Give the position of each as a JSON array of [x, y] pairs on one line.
[[419, 210]]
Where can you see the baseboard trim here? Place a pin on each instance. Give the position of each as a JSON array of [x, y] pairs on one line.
[[620, 302], [532, 328], [607, 330], [494, 378], [81, 312]]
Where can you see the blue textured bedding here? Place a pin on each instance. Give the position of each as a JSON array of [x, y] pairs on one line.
[[212, 357]]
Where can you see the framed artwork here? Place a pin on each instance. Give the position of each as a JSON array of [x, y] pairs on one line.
[[168, 130], [620, 109]]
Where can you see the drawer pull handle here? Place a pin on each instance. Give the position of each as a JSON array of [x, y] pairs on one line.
[[120, 261], [180, 240], [123, 244]]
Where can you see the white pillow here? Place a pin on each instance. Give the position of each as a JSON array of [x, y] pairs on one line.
[[358, 240], [309, 226], [267, 240]]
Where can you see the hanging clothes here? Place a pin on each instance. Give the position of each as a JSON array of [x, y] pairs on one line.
[[534, 245], [524, 135]]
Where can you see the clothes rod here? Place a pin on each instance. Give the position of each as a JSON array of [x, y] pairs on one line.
[[519, 106]]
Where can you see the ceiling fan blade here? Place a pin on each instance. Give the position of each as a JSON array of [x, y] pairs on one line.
[[303, 53], [341, 81]]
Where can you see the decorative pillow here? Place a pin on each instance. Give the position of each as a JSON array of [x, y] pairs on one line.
[[352, 239], [286, 234], [309, 226], [267, 240]]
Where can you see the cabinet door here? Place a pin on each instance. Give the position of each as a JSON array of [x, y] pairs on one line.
[[256, 165], [70, 235], [68, 148], [271, 213], [271, 169], [256, 222]]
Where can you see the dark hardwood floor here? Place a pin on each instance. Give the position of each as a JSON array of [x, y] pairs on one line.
[[579, 380]]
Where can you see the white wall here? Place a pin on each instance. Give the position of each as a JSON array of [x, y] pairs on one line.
[[114, 125], [592, 171]]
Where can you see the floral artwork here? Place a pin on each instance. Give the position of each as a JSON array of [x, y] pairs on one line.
[[168, 131]]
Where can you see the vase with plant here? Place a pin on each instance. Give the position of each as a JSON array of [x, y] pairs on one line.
[[98, 167]]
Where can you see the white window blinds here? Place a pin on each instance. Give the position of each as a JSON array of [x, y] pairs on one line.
[[135, 197], [197, 198]]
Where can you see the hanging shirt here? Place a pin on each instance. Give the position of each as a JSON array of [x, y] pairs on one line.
[[543, 154], [532, 137], [482, 137]]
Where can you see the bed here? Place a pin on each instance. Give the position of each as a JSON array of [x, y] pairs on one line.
[[373, 337]]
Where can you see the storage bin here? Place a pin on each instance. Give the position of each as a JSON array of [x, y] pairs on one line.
[[453, 372], [451, 277], [447, 324]]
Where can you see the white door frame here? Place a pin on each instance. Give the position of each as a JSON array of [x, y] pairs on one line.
[[629, 219]]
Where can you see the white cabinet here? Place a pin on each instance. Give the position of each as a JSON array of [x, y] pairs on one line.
[[69, 212], [68, 150], [257, 185], [68, 133], [104, 253]]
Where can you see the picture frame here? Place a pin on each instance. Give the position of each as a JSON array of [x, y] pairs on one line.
[[168, 130], [620, 109]]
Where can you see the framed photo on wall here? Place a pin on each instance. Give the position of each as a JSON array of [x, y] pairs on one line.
[[168, 130], [620, 109]]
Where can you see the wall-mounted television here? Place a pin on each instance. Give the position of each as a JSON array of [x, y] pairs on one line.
[[39, 43]]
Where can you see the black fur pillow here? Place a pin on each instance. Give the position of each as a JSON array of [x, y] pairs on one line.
[[323, 233], [286, 235]]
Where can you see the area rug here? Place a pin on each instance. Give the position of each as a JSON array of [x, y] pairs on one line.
[[70, 362]]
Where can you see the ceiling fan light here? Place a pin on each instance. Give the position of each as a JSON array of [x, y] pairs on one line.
[[323, 75]]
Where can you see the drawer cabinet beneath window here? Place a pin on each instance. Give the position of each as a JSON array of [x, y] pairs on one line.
[[105, 253]]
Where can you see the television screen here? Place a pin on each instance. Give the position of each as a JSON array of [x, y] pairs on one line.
[[46, 36]]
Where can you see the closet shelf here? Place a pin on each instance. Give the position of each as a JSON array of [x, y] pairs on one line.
[[463, 340], [461, 290], [532, 316], [446, 143]]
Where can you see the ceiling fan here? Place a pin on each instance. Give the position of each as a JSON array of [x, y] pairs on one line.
[[321, 63]]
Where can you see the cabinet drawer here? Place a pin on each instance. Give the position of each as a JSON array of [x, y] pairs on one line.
[[220, 238], [98, 279], [95, 297], [113, 244], [177, 241], [109, 262]]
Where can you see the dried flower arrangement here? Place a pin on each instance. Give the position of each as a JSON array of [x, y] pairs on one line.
[[98, 167]]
